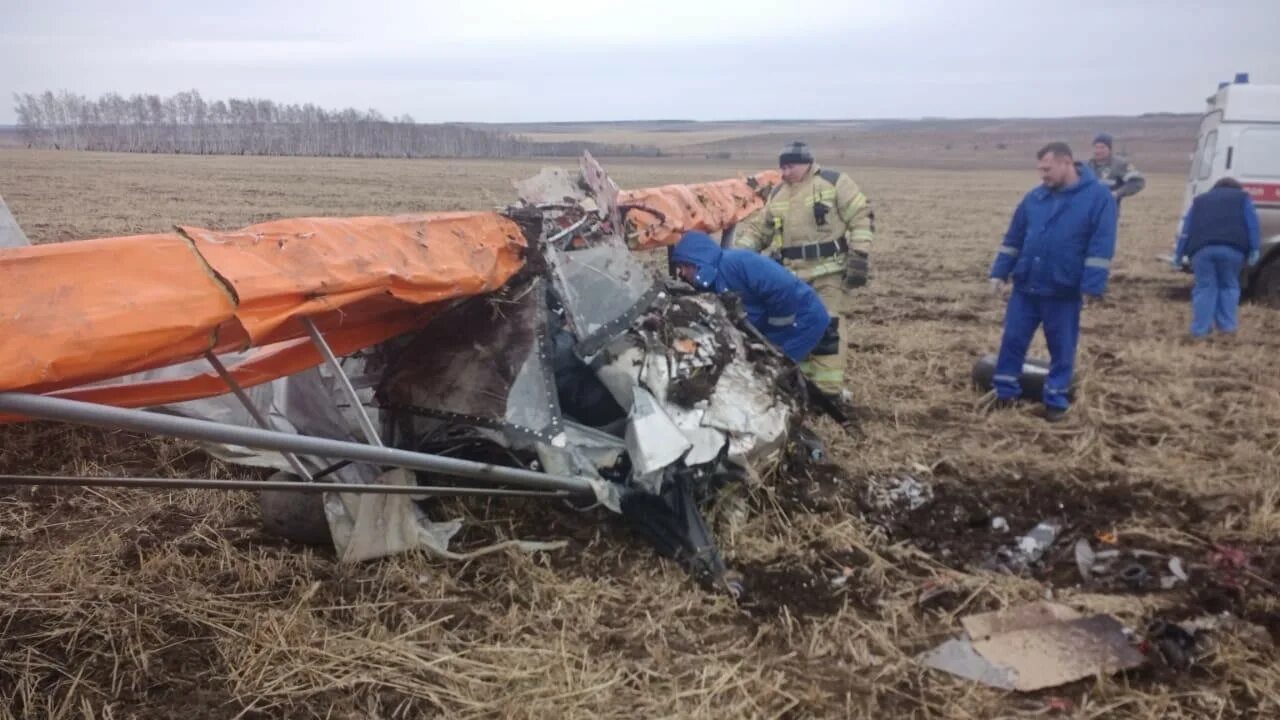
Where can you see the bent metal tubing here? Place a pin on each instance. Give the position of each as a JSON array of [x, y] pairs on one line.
[[83, 413], [156, 483]]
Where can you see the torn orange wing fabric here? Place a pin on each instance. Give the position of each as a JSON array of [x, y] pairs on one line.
[[261, 365], [709, 207], [77, 313], [345, 271]]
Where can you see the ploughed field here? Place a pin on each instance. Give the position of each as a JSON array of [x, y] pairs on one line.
[[129, 603]]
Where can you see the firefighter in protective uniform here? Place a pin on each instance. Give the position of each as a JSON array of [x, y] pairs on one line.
[[819, 225]]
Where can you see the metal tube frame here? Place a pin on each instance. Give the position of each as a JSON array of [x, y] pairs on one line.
[[366, 425], [257, 486], [74, 411], [253, 411]]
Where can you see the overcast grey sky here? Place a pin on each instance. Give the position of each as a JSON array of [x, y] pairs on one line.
[[507, 61]]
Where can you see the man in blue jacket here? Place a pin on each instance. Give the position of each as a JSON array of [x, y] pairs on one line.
[[1058, 250], [784, 308], [1219, 234]]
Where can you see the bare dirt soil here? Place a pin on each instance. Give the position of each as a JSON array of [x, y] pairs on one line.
[[127, 603]]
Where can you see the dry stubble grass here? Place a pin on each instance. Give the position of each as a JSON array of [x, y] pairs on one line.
[[121, 603]]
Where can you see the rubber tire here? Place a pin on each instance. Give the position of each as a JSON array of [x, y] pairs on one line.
[[295, 516], [1032, 383], [1265, 288]]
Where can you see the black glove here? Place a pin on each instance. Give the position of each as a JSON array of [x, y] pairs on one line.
[[830, 342], [856, 270]]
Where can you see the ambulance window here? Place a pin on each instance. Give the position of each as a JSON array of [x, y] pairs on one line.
[[1205, 161], [1257, 153]]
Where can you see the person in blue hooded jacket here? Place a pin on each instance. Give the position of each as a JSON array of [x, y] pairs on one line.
[[1219, 235], [1058, 251], [784, 308]]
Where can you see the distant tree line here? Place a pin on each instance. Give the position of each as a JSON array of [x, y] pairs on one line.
[[186, 123]]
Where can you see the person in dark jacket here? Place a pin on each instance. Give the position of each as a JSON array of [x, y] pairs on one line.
[[1219, 234], [1115, 172], [784, 308], [1058, 251]]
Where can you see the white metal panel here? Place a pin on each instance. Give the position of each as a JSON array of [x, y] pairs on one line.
[[1250, 103], [11, 234], [1256, 153]]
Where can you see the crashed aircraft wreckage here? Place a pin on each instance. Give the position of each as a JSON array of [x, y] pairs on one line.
[[529, 352]]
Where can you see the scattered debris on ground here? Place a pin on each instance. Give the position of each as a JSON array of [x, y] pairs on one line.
[[1036, 646]]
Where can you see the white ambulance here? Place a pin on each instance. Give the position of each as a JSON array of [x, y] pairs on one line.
[[1240, 137]]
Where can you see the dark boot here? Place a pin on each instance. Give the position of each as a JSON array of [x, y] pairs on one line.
[[1055, 414]]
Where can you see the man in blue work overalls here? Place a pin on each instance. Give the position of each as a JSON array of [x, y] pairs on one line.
[[1058, 251]]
